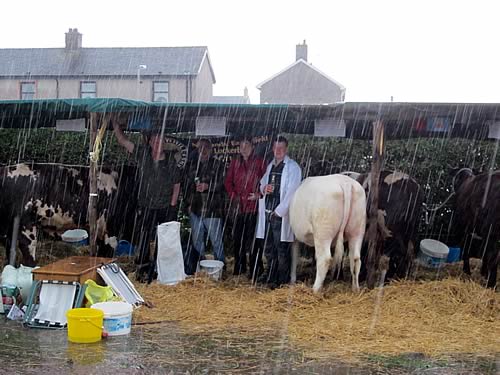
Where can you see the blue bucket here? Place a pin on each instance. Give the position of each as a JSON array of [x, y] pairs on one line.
[[124, 248], [432, 254], [454, 255]]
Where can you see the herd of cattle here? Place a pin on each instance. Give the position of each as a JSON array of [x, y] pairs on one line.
[[325, 211]]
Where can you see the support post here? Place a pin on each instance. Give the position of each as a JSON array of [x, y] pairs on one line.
[[92, 209], [374, 248], [13, 244]]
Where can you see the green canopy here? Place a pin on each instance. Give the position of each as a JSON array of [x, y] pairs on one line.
[[468, 120]]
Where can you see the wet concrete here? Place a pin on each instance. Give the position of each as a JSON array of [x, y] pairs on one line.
[[159, 349], [166, 349]]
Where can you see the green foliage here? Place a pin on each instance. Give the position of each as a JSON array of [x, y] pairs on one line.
[[428, 160], [51, 146]]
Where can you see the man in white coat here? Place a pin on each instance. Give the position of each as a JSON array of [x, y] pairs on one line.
[[277, 186]]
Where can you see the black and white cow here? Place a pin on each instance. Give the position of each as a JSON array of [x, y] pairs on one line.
[[399, 207], [54, 198], [477, 219]]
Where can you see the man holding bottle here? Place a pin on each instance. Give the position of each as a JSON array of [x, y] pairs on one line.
[[277, 186], [204, 197]]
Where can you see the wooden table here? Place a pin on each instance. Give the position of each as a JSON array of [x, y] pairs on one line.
[[77, 268]]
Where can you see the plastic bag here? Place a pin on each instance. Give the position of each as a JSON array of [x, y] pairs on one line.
[[20, 277], [25, 281], [96, 293], [170, 262], [15, 313], [9, 276]]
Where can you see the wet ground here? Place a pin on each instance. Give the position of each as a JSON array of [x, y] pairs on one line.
[[165, 349]]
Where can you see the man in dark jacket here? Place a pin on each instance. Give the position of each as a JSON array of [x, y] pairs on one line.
[[158, 191], [205, 200]]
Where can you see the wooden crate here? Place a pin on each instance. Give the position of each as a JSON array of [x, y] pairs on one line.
[[77, 268]]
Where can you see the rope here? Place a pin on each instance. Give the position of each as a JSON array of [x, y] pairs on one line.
[[452, 193], [441, 205], [94, 155]]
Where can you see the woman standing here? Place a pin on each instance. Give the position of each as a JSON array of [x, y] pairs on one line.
[[242, 180]]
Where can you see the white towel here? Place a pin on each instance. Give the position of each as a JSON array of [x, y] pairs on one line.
[[170, 263], [55, 300]]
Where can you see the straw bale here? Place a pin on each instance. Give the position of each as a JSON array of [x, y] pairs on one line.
[[436, 318]]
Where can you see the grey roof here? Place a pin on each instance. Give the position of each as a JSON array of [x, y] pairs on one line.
[[231, 99], [102, 61], [309, 65]]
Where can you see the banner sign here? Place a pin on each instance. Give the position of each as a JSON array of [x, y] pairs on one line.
[[223, 148], [209, 125], [494, 130], [330, 127], [438, 124]]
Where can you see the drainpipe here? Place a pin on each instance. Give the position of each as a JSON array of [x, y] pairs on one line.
[[190, 89], [57, 88]]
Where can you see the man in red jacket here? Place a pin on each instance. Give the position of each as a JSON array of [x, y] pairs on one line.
[[242, 180]]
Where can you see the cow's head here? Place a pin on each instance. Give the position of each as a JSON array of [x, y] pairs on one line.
[[460, 176], [353, 175]]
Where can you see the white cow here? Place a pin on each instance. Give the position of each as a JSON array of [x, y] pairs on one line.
[[324, 209]]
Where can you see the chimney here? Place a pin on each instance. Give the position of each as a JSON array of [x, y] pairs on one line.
[[73, 40], [301, 51]]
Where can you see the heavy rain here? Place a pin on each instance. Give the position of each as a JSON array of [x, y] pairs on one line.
[[283, 187]]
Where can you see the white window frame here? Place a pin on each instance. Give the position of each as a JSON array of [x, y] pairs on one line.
[[155, 91], [84, 94], [27, 95]]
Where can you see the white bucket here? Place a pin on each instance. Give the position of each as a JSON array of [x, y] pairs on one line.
[[76, 237], [432, 253], [117, 317], [212, 267]]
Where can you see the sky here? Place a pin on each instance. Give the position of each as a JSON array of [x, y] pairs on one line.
[[417, 51]]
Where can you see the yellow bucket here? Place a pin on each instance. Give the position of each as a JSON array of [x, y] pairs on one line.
[[84, 325]]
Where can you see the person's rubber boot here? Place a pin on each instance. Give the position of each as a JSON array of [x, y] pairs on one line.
[[264, 278]]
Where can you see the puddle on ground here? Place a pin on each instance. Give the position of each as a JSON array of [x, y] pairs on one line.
[[167, 349]]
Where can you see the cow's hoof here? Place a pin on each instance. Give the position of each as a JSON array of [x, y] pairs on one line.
[[316, 290]]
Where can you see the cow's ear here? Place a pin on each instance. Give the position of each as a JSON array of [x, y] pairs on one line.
[[452, 170]]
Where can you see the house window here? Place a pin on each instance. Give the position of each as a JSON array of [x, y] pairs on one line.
[[27, 90], [88, 89], [160, 91]]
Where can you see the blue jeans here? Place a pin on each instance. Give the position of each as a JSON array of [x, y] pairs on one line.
[[199, 228]]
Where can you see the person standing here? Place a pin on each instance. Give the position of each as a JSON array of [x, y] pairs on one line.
[[158, 192], [282, 177], [205, 200], [242, 182]]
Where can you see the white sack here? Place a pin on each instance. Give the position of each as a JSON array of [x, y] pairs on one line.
[[170, 262]]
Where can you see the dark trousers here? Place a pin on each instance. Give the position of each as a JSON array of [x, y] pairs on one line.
[[256, 265], [277, 253], [244, 243], [147, 221]]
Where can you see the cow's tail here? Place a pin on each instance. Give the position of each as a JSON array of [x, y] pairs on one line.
[[339, 245]]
